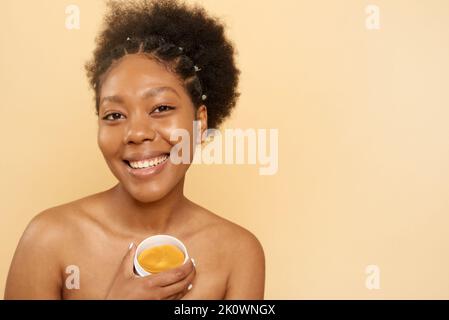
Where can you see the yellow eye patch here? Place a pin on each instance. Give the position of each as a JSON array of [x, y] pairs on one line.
[[161, 258]]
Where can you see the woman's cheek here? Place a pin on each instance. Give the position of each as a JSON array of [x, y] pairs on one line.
[[108, 141], [178, 130]]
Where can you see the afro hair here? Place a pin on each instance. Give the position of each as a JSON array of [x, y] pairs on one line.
[[185, 38]]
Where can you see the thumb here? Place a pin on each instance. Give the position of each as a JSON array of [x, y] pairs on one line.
[[127, 265]]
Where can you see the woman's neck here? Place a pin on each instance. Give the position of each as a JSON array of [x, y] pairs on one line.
[[156, 217]]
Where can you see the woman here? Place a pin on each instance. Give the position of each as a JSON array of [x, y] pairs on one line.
[[158, 67]]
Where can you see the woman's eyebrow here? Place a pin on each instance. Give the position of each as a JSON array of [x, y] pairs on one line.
[[147, 94], [116, 99], [157, 90]]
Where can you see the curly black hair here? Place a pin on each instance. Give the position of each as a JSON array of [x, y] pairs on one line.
[[186, 39]]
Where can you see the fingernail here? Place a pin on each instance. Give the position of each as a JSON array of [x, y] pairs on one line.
[[130, 245], [193, 261], [189, 287]]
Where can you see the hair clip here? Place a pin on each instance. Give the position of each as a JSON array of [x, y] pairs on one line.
[[196, 68], [128, 39], [181, 49], [204, 97]]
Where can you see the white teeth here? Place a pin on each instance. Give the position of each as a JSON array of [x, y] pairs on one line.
[[148, 163]]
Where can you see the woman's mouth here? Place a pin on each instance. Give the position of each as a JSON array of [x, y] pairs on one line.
[[147, 167]]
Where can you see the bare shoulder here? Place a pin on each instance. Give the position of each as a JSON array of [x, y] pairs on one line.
[[245, 258], [57, 221], [51, 227], [38, 247], [43, 245], [49, 223], [236, 239]]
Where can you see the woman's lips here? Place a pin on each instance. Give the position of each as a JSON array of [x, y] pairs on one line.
[[146, 172]]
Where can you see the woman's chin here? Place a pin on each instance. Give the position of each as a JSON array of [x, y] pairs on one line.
[[146, 190], [148, 195]]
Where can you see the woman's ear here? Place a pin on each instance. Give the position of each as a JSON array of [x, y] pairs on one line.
[[201, 115]]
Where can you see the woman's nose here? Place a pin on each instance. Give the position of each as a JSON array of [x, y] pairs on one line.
[[139, 130]]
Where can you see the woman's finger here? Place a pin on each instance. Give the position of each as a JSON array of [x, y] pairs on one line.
[[179, 287], [127, 264], [169, 277]]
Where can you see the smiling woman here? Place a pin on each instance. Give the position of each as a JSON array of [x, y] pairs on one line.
[[158, 67]]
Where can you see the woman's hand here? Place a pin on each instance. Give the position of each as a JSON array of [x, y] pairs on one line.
[[168, 285]]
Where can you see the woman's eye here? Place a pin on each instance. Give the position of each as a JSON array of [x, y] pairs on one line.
[[162, 108], [116, 116], [108, 117]]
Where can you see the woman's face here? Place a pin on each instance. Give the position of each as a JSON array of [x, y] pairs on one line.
[[141, 104]]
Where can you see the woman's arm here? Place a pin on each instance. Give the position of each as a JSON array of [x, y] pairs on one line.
[[34, 271], [247, 278]]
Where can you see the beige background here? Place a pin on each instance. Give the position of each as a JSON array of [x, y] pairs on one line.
[[364, 138]]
